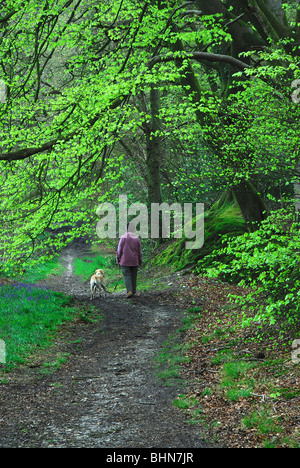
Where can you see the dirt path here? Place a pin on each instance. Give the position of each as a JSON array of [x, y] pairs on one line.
[[107, 394]]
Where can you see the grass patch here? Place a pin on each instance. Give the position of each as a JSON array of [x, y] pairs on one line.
[[262, 421], [53, 366], [233, 371], [173, 354], [85, 267], [185, 401], [288, 393], [191, 405], [28, 317], [169, 361], [234, 380], [190, 317], [40, 272]]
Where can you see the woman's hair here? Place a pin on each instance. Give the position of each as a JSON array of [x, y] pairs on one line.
[[131, 227]]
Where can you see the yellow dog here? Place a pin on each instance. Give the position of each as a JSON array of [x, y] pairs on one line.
[[97, 283]]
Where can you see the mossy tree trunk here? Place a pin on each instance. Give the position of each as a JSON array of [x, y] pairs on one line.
[[251, 204]]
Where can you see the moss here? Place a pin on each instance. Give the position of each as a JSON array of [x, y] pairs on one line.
[[224, 218]]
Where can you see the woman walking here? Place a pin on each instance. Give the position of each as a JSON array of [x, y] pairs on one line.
[[129, 257]]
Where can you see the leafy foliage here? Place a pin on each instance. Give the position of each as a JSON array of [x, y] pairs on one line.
[[267, 262], [173, 101]]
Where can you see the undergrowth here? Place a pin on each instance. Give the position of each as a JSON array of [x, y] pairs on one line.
[[37, 273], [241, 383], [267, 262], [173, 352], [29, 315]]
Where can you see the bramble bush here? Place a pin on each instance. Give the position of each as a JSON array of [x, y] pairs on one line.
[[267, 262]]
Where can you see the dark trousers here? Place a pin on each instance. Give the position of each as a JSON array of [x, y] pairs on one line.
[[130, 276]]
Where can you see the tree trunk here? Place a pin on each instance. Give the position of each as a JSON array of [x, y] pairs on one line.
[[154, 152], [251, 204]]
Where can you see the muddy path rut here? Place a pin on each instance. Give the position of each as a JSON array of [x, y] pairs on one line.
[[107, 394]]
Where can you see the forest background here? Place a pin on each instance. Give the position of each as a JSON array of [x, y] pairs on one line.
[[187, 102]]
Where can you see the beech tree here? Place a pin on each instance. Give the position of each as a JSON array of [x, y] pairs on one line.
[[73, 70]]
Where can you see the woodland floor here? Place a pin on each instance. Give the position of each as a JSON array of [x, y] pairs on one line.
[[108, 395], [213, 347]]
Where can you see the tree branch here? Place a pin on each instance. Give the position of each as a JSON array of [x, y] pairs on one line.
[[8, 16], [27, 152], [199, 56]]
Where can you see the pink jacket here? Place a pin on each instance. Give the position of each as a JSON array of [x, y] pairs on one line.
[[129, 251]]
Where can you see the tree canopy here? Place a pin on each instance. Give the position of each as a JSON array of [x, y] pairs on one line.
[[163, 100]]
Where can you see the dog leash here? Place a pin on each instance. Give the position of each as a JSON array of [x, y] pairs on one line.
[[116, 283]]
